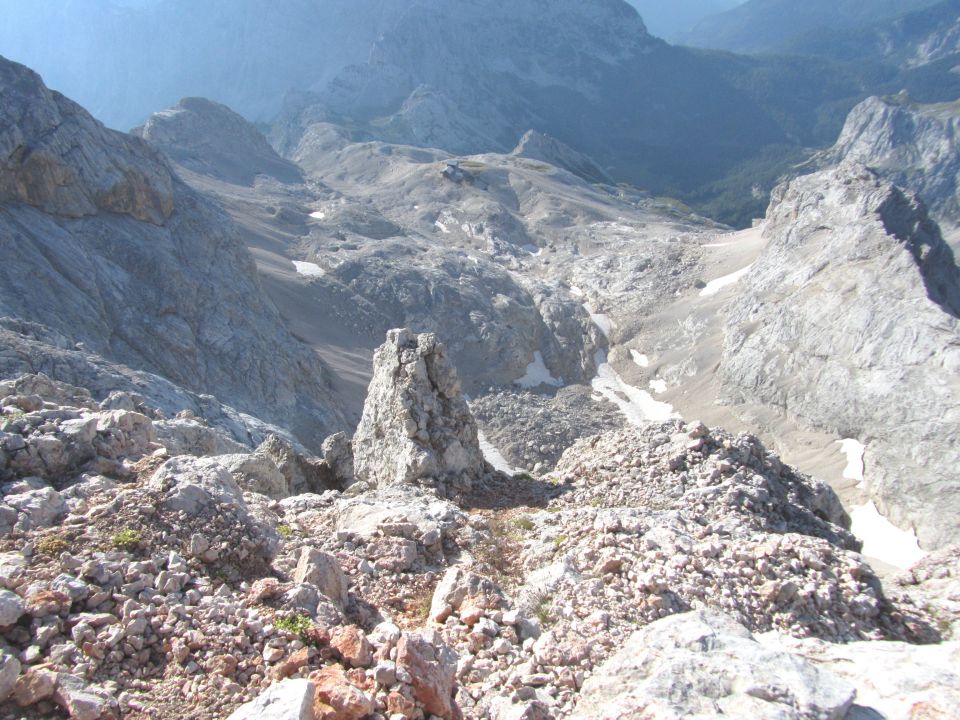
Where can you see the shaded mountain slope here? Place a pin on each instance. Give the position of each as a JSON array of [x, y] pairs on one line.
[[104, 245]]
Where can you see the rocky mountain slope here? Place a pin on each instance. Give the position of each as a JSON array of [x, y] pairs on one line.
[[467, 78], [668, 21], [109, 255], [164, 554], [774, 25], [911, 145], [922, 37], [848, 320], [210, 139], [346, 263], [640, 268], [383, 235], [139, 578]]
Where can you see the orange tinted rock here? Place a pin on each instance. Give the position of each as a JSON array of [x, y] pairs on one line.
[[352, 645], [397, 704], [336, 698], [292, 664], [432, 666]]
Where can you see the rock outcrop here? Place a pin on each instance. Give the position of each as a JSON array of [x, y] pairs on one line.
[[539, 146], [416, 426], [909, 144], [893, 679], [51, 157], [849, 322], [105, 247], [210, 139], [704, 664]]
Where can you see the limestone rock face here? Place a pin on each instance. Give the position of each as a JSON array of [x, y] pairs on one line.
[[910, 144], [416, 425], [287, 700], [703, 664], [849, 322], [47, 159], [893, 679], [106, 249], [322, 570]]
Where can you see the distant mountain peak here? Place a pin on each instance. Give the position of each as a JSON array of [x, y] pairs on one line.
[[209, 138], [540, 146]]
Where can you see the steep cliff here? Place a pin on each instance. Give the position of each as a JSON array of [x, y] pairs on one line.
[[104, 245], [849, 322], [910, 144]]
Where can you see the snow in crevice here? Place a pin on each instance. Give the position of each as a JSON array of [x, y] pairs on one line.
[[853, 450], [493, 455], [883, 540], [538, 374], [602, 321], [637, 406], [308, 268], [715, 286]]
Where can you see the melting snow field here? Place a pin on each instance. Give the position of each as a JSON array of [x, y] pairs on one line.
[[493, 456], [538, 374], [883, 540], [715, 286], [308, 268], [637, 406], [640, 359], [854, 450]]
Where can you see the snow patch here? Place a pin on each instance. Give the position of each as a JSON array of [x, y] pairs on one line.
[[576, 292], [308, 268], [532, 249], [854, 451], [640, 359], [441, 227], [658, 386], [637, 406], [538, 374], [602, 321], [883, 540], [493, 456], [715, 286], [318, 215]]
